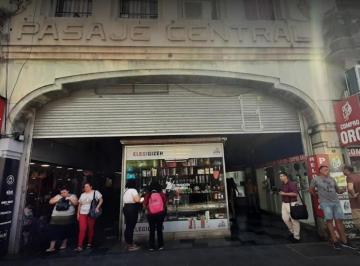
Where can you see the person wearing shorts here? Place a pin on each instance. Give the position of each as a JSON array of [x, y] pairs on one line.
[[327, 190]]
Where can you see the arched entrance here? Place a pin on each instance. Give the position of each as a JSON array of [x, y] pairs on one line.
[[86, 117]]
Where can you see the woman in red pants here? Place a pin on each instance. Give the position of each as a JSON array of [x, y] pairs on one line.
[[86, 223]]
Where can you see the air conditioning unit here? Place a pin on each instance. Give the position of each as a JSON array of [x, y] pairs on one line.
[[352, 77]]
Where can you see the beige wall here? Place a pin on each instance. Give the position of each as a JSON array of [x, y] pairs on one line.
[[288, 52]]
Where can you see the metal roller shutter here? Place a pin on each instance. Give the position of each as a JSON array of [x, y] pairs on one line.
[[183, 110]]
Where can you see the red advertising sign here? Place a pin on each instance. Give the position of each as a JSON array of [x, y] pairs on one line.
[[2, 109], [314, 162], [347, 114]]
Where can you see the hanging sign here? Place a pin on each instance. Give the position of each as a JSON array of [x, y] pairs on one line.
[[347, 114]]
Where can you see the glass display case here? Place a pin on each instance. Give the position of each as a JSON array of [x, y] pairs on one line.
[[192, 178]]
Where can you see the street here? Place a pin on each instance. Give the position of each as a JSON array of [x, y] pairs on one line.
[[319, 253]]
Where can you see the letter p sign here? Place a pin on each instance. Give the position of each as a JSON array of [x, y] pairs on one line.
[[322, 160]]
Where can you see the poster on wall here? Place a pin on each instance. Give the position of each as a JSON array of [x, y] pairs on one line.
[[8, 180], [347, 115], [192, 177]]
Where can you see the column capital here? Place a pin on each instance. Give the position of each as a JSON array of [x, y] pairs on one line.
[[10, 148]]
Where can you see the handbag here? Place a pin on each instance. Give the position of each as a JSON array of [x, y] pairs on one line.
[[62, 205], [92, 212], [299, 212]]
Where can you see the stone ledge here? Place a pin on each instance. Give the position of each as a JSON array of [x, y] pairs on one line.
[[10, 148]]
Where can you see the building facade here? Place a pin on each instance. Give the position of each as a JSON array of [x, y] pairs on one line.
[[97, 68]]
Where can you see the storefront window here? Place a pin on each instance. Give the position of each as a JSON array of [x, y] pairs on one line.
[[195, 188]]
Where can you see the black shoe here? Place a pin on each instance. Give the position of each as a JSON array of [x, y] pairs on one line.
[[294, 240], [348, 245], [336, 245], [161, 248], [290, 237]]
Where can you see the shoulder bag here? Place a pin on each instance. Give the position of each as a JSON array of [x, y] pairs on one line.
[[92, 212], [62, 205], [299, 212]]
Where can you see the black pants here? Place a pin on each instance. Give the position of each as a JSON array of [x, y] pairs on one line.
[[61, 231], [156, 222], [131, 217]]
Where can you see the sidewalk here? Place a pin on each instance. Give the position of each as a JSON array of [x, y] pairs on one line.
[[217, 252], [256, 240]]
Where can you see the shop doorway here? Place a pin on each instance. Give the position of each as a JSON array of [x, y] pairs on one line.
[[57, 162], [95, 115], [253, 163]]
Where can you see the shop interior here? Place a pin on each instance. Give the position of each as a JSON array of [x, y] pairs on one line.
[[70, 162]]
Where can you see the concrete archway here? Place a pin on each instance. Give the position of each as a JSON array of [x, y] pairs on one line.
[[61, 87]]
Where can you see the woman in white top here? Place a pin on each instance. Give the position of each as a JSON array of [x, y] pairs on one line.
[[86, 223], [62, 218], [131, 209]]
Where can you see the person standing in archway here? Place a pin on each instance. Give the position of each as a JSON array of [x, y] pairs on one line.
[[87, 223], [327, 190], [62, 218], [289, 193], [131, 201], [155, 203]]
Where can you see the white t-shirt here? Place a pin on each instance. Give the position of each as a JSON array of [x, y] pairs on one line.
[[129, 195], [85, 200]]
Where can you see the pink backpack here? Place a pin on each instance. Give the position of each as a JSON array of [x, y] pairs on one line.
[[156, 204]]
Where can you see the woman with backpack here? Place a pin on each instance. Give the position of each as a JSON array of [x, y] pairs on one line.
[[131, 201], [62, 218], [155, 203]]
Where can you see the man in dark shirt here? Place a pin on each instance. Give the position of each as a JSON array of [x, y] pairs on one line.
[[289, 194], [353, 184]]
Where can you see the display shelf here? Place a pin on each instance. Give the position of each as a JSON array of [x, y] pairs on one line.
[[196, 208]]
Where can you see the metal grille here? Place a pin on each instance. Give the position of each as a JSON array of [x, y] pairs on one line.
[[185, 110], [73, 8], [138, 9]]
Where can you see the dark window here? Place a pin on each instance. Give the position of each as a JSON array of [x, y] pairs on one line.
[[73, 8], [138, 9], [347, 4], [259, 9], [201, 9]]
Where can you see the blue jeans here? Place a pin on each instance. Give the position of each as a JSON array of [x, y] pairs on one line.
[[332, 210]]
